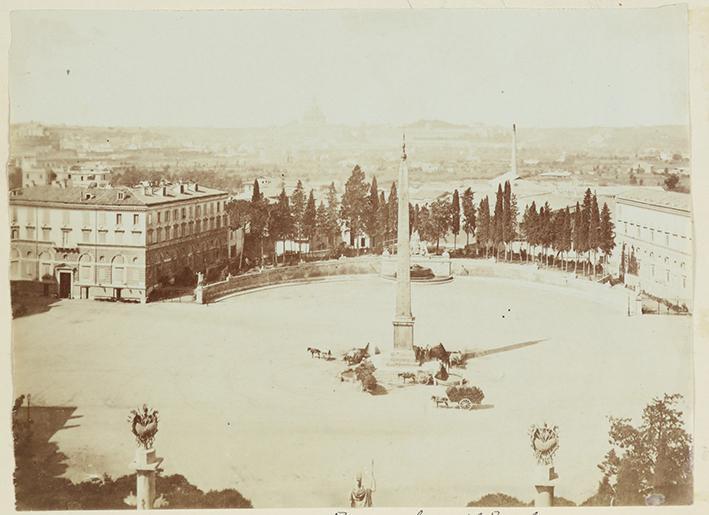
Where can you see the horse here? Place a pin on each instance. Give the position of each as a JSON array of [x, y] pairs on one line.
[[313, 352], [440, 401], [407, 375]]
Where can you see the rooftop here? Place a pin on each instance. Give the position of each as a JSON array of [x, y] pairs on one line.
[[658, 197], [120, 196]]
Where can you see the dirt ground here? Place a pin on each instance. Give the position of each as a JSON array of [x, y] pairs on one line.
[[243, 405]]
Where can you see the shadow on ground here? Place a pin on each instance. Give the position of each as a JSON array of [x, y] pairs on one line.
[[40, 465], [26, 305]]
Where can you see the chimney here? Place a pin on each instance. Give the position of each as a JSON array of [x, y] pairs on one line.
[[182, 188], [196, 187], [163, 191]]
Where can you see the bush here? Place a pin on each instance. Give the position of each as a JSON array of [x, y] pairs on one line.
[[498, 500], [456, 393]]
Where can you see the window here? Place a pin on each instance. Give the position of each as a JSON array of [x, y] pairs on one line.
[[167, 215], [15, 234], [136, 219], [667, 275], [159, 234], [30, 233], [119, 218], [85, 236], [150, 218], [65, 238], [684, 281], [191, 211], [667, 240], [14, 214], [652, 234], [184, 213], [625, 227], [102, 236], [159, 216]]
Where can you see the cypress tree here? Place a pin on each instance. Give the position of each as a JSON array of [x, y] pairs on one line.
[[578, 234], [393, 206], [594, 223], [256, 193], [372, 217], [468, 214], [483, 229], [455, 218], [333, 217], [498, 221], [297, 202], [309, 216], [607, 234]]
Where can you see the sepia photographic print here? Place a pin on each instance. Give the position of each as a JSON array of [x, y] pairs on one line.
[[351, 258]]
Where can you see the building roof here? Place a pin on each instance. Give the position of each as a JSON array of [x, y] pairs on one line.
[[658, 197], [138, 196]]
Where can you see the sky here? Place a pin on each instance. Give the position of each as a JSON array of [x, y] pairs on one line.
[[539, 68]]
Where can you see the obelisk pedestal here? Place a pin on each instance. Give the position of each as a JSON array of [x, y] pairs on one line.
[[403, 354]]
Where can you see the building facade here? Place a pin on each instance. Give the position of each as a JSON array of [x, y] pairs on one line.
[[655, 227], [120, 243]]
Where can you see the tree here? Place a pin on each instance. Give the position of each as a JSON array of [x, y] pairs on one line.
[[424, 223], [594, 225], [440, 220], [322, 226], [498, 221], [455, 217], [468, 214], [333, 217], [578, 234], [565, 236], [393, 207], [412, 218], [483, 232], [309, 222], [606, 232], [654, 457], [256, 194], [282, 226], [506, 216], [353, 210], [671, 182], [372, 218], [297, 202]]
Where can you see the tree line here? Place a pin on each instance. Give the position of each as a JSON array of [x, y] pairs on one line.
[[544, 235]]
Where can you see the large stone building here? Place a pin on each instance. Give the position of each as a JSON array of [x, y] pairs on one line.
[[116, 242], [656, 228]]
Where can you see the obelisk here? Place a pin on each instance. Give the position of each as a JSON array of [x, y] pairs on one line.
[[514, 150], [403, 352]]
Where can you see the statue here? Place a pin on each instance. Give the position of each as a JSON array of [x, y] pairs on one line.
[[200, 279], [545, 443], [418, 247], [144, 426], [361, 497]]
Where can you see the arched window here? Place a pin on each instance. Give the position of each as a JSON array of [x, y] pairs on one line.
[[85, 269], [118, 269]]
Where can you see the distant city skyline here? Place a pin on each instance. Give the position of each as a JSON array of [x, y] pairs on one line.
[[240, 69]]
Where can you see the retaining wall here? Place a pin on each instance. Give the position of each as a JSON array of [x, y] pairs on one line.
[[289, 274], [363, 265]]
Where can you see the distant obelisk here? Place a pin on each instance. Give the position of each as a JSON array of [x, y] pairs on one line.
[[403, 352]]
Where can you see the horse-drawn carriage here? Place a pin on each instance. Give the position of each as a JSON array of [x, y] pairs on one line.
[[463, 397], [355, 356]]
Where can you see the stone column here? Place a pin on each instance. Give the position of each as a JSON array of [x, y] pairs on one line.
[[403, 353], [544, 487], [146, 466]]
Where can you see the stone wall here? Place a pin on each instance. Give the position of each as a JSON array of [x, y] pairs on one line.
[[616, 297], [290, 274]]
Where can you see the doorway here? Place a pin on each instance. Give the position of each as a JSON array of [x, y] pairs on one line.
[[64, 285]]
